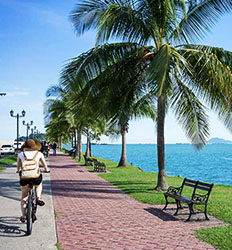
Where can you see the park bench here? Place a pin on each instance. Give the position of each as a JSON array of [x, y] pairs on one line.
[[98, 166], [72, 152], [88, 161], [200, 195]]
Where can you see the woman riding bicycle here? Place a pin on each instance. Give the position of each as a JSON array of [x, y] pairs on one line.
[[30, 149]]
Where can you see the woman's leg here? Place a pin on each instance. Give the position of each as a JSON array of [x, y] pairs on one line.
[[38, 190], [24, 199]]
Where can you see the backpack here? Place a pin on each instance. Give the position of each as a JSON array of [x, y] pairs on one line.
[[30, 168]]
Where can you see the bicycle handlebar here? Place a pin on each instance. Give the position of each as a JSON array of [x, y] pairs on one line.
[[46, 172]]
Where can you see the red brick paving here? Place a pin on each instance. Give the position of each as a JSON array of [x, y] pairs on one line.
[[94, 214]]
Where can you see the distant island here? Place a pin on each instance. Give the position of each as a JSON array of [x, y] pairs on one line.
[[218, 140]]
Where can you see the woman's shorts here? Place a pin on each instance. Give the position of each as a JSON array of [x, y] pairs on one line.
[[36, 181]]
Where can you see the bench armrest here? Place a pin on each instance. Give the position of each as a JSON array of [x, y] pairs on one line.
[[174, 190], [200, 198]]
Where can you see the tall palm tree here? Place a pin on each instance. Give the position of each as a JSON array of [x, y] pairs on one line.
[[181, 75]]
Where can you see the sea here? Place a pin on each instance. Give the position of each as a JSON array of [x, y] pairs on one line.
[[212, 164]]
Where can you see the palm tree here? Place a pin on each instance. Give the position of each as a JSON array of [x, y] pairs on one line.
[[57, 124], [180, 74]]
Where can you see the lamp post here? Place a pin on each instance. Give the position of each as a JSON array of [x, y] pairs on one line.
[[1, 94], [28, 126], [32, 131], [17, 116]]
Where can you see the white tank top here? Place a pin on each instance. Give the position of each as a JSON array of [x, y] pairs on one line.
[[30, 155]]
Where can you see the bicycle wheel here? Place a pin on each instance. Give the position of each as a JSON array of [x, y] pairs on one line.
[[29, 213], [34, 206]]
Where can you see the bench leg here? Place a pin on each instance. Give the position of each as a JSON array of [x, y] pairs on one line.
[[205, 212], [166, 198], [190, 211], [178, 206]]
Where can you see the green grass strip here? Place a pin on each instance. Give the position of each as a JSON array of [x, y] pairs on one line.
[[8, 160], [2, 168], [220, 237]]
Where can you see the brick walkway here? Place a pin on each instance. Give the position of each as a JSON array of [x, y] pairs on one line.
[[94, 214]]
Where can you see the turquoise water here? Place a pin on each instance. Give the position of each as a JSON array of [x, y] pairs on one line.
[[212, 164]]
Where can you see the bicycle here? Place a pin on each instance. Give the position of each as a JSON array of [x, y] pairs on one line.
[[31, 208], [45, 151]]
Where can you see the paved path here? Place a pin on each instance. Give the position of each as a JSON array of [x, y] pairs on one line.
[[12, 231], [94, 214]]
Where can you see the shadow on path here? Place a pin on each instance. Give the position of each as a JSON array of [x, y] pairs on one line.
[[9, 187], [160, 214], [9, 227], [84, 189]]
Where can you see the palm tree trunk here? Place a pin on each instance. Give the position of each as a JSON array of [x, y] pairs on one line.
[[87, 152], [60, 142], [75, 138], [90, 148], [75, 144], [122, 162], [79, 143], [162, 177], [72, 134]]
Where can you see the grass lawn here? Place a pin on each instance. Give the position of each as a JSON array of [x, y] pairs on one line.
[[140, 185]]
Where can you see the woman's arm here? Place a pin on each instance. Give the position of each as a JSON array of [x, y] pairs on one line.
[[42, 160], [19, 164]]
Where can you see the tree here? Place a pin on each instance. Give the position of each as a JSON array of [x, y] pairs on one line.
[[180, 74], [57, 123]]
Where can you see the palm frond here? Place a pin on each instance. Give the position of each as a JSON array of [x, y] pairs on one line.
[[166, 59], [202, 15], [190, 112], [86, 15], [54, 90], [90, 64], [211, 80]]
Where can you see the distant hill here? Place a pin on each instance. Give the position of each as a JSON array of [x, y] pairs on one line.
[[218, 140]]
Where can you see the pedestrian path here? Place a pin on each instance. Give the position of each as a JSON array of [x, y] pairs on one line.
[[94, 214], [12, 231]]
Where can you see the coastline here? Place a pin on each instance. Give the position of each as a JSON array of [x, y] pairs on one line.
[[181, 159]]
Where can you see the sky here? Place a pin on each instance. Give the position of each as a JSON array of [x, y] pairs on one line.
[[36, 41]]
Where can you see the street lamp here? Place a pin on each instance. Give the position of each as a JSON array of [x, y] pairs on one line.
[[28, 126], [1, 94], [32, 131], [17, 116]]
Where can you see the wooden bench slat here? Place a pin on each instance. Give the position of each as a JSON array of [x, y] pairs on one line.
[[203, 188], [190, 181], [204, 184], [189, 185]]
